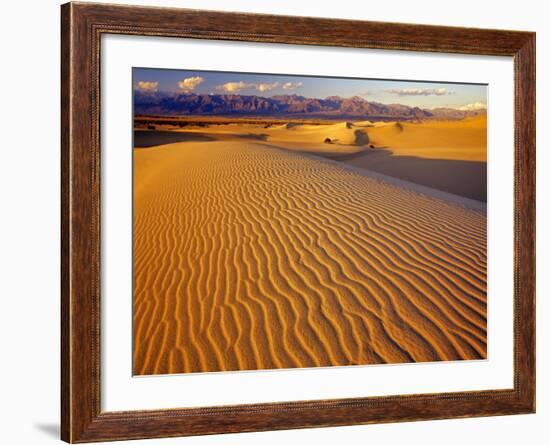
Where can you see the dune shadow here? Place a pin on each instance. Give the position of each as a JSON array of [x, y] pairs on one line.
[[145, 139], [255, 137], [463, 178]]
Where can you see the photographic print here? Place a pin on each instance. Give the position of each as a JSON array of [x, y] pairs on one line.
[[285, 221]]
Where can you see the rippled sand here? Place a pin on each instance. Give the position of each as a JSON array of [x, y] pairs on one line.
[[247, 256]]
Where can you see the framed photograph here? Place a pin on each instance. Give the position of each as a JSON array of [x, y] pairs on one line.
[[276, 222]]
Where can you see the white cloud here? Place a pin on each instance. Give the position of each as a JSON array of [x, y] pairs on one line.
[[144, 85], [190, 83], [267, 86], [419, 91], [474, 106], [292, 85], [233, 87]]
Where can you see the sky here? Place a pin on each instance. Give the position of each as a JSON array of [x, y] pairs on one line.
[[412, 93]]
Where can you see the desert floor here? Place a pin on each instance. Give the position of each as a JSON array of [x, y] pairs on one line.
[[258, 248]]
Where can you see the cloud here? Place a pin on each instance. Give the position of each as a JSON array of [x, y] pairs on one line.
[[233, 87], [474, 106], [148, 86], [190, 83], [419, 91], [292, 85], [267, 86]]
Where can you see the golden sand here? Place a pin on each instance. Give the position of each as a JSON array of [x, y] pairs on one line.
[[463, 140], [248, 256], [445, 155]]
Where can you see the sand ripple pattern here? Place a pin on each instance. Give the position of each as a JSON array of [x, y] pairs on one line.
[[250, 257]]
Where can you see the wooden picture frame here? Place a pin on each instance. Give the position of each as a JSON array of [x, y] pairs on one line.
[[82, 26]]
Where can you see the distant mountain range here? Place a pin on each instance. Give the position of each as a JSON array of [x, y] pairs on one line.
[[332, 107]]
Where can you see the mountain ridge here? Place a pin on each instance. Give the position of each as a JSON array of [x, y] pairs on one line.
[[285, 105]]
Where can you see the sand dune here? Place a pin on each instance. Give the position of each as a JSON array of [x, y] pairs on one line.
[[446, 155], [252, 257], [341, 133], [463, 140]]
